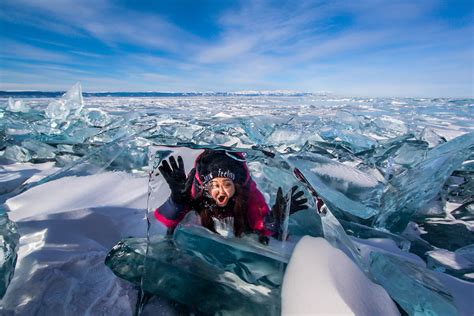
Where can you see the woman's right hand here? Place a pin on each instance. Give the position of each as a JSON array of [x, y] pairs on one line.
[[175, 176]]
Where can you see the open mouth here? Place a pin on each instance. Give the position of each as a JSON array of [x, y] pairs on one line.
[[221, 198]]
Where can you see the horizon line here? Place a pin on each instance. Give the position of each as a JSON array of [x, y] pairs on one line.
[[5, 93]]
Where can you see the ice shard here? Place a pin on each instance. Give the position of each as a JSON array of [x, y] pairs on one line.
[[9, 239], [248, 259], [164, 269], [334, 233], [412, 189], [416, 289], [17, 127], [57, 110], [389, 126], [431, 137], [305, 222], [257, 129], [71, 103], [393, 156], [16, 153], [409, 153], [460, 186], [344, 187], [366, 232], [468, 254], [458, 263], [384, 149], [447, 233], [17, 106], [350, 121], [114, 155], [356, 142], [39, 150], [97, 117], [285, 135], [465, 212]]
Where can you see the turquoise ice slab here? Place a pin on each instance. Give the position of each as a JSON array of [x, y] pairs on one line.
[[305, 222], [459, 263], [186, 278], [70, 104], [334, 233], [9, 239], [245, 257], [346, 188], [412, 189], [414, 287]]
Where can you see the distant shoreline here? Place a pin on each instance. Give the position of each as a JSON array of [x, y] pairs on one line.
[[55, 94]]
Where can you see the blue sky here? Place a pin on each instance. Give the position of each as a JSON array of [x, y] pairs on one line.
[[362, 48]]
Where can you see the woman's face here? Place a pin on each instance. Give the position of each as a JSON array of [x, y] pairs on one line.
[[221, 190]]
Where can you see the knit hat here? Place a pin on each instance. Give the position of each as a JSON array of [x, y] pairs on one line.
[[219, 163]]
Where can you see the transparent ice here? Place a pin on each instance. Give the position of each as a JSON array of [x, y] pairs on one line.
[[9, 239], [188, 279], [250, 261], [344, 187], [71, 103], [415, 288], [17, 106], [421, 182]]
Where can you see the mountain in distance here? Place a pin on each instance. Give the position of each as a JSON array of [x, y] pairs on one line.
[[54, 94]]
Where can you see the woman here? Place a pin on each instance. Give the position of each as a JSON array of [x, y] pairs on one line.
[[219, 188]]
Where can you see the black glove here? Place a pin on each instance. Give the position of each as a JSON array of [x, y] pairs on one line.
[[297, 205], [175, 176], [276, 217], [263, 239], [317, 199]]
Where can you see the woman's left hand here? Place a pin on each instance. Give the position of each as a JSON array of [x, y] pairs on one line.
[[277, 216], [296, 203]]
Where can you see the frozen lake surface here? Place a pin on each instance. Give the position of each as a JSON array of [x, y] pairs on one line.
[[396, 174]]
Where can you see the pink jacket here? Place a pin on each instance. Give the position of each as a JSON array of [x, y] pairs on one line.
[[171, 213]]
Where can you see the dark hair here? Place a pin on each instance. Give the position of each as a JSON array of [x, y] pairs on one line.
[[220, 163], [237, 208]]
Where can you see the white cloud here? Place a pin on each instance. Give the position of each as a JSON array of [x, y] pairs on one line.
[[261, 45], [18, 50], [107, 22]]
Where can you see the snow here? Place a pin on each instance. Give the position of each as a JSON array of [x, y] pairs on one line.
[[71, 193], [222, 115], [346, 174], [60, 268], [451, 259], [321, 279], [67, 227]]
